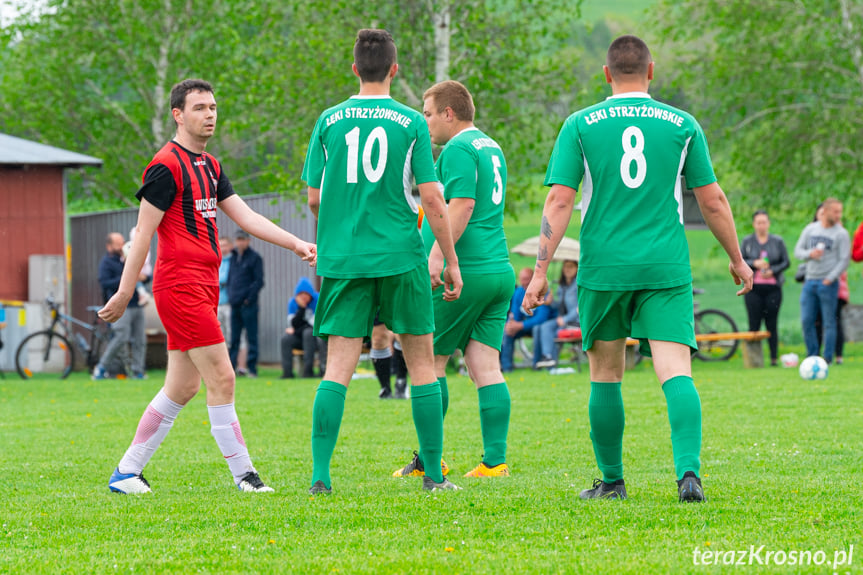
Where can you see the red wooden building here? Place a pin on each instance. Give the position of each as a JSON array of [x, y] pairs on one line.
[[32, 207]]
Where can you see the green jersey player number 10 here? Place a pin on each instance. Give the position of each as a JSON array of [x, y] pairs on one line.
[[372, 173], [633, 153]]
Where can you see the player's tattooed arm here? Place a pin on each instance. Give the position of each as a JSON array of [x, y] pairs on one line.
[[542, 254], [545, 228]]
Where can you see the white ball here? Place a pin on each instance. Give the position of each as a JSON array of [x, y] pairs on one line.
[[813, 367]]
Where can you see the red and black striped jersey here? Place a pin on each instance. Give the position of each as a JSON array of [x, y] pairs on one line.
[[187, 187]]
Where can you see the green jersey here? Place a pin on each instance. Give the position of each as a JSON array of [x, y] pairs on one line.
[[364, 155], [628, 154], [471, 165]]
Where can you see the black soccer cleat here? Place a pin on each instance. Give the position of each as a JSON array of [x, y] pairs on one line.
[[385, 393], [689, 488], [319, 488], [603, 490]]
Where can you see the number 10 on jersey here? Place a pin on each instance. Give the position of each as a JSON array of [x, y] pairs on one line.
[[372, 173]]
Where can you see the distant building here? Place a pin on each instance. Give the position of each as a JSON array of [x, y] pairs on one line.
[[32, 207]]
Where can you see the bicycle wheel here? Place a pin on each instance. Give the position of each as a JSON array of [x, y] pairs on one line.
[[713, 321], [44, 352]]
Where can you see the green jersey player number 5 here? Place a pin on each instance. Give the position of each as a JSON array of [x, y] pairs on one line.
[[497, 193]]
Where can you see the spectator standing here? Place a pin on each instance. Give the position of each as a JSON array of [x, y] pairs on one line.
[[224, 314], [245, 280], [130, 326], [826, 248], [767, 255]]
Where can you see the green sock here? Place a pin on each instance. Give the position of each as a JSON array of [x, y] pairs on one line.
[[326, 420], [444, 395], [494, 408], [428, 420], [607, 421], [684, 415]]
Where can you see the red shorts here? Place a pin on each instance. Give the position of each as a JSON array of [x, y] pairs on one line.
[[190, 315]]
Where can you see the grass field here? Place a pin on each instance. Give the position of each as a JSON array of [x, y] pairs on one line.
[[781, 466]]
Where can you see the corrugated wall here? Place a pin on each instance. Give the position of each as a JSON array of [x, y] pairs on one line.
[[282, 269]]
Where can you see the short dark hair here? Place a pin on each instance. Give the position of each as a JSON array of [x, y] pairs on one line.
[[182, 89], [450, 93], [627, 56], [374, 54], [760, 213]]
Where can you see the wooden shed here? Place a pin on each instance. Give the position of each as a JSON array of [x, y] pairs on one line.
[[32, 207]]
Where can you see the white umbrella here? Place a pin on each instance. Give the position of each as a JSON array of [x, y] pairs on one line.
[[567, 250]]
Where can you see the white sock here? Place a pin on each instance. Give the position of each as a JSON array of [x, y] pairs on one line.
[[226, 431], [152, 429], [380, 353]]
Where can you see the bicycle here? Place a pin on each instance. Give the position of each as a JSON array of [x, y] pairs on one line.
[[709, 321], [50, 351]]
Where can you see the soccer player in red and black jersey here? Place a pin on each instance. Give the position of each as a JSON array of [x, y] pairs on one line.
[[182, 187]]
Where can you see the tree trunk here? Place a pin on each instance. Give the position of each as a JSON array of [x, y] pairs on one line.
[[442, 33]]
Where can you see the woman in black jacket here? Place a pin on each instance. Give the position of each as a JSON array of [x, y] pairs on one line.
[[767, 255]]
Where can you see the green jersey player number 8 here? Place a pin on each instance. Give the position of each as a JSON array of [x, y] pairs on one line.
[[372, 173], [633, 153]]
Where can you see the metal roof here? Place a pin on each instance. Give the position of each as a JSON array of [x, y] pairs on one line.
[[16, 151]]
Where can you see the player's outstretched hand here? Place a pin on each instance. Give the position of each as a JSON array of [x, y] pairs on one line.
[[742, 274], [534, 296], [115, 308], [308, 252], [452, 282]]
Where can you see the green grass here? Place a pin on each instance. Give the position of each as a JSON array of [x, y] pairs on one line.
[[781, 465]]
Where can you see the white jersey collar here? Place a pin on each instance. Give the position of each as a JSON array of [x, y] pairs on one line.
[[381, 97], [630, 95], [465, 130]]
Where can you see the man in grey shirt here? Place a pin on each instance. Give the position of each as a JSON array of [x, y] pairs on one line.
[[826, 248]]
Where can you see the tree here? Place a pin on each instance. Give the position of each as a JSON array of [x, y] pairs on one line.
[[94, 75], [779, 86], [517, 57]]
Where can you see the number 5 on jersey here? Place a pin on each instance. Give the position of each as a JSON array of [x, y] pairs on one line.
[[372, 173], [497, 192]]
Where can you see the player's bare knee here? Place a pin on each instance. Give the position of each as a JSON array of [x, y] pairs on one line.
[[670, 359]]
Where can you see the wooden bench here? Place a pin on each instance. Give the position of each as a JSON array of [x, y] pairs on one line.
[[632, 356], [753, 355]]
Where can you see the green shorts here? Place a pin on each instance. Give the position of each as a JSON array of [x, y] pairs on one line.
[[479, 313], [659, 314], [347, 307]]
